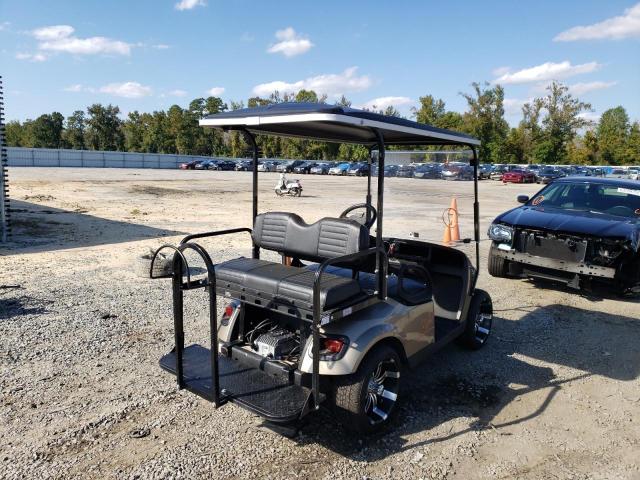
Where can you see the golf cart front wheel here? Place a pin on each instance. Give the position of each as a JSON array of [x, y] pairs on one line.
[[479, 321], [365, 401]]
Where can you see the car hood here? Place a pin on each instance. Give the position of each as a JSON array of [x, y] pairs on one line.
[[574, 222]]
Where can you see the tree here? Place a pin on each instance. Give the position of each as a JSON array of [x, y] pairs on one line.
[[104, 128], [15, 134], [45, 131], [485, 120], [613, 132], [133, 132], [560, 123], [74, 131], [632, 154]]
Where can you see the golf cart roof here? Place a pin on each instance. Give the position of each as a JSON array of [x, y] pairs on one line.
[[333, 123]]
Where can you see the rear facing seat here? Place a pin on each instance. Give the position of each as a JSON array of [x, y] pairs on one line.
[[288, 234]]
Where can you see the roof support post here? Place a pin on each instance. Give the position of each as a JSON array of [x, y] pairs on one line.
[[476, 211], [381, 264], [368, 199], [251, 140]]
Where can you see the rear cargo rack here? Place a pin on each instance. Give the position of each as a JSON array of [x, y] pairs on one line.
[[222, 378]]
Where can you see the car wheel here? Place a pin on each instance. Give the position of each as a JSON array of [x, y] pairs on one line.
[[498, 266], [365, 400], [478, 322]]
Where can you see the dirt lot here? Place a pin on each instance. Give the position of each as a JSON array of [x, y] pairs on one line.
[[555, 393]]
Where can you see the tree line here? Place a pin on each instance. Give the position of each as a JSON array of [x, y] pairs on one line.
[[553, 129]]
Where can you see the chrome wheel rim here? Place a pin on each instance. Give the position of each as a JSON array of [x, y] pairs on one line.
[[483, 321], [382, 391]]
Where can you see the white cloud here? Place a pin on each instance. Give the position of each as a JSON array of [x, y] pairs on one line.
[[60, 38], [498, 72], [4, 26], [215, 91], [127, 90], [546, 71], [161, 46], [177, 93], [31, 57], [330, 84], [513, 106], [290, 44], [53, 32], [381, 103], [74, 88], [189, 4], [616, 28], [591, 116], [582, 88]]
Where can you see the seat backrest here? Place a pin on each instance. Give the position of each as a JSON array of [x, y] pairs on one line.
[[288, 234]]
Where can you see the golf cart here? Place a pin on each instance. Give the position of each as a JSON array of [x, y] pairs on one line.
[[346, 310]]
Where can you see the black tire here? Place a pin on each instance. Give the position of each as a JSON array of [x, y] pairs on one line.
[[497, 265], [478, 322], [352, 393]]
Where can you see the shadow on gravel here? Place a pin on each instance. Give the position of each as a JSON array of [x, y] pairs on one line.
[[39, 228], [22, 305], [477, 385], [596, 293]]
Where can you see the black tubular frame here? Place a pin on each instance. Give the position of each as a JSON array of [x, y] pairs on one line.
[[180, 269], [317, 310]]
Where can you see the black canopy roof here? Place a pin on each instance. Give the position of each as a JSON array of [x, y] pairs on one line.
[[334, 123]]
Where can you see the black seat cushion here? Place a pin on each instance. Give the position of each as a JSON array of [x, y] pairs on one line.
[[283, 284], [327, 238]]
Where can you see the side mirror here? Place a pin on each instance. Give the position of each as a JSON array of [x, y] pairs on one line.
[[523, 198]]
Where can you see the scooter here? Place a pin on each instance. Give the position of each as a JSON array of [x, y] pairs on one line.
[[286, 187]]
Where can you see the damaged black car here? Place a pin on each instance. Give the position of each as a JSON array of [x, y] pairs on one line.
[[578, 231]]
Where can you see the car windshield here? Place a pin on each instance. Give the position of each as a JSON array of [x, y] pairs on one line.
[[611, 199]]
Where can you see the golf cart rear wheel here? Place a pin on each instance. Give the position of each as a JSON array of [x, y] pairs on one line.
[[479, 321], [365, 401], [498, 266]]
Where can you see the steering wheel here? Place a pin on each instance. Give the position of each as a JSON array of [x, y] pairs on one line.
[[361, 217], [620, 210]]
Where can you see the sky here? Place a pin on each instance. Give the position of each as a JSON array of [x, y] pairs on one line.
[[150, 54]]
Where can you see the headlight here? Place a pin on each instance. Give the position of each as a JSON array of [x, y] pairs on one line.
[[500, 233]]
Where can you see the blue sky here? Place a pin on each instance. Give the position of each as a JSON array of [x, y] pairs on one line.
[[149, 54]]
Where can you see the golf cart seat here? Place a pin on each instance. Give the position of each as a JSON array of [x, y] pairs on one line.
[[272, 284]]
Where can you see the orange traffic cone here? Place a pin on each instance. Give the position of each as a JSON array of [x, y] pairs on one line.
[[454, 226], [446, 238]]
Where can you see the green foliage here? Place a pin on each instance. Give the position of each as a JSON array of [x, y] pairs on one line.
[[484, 120], [613, 132], [552, 130]]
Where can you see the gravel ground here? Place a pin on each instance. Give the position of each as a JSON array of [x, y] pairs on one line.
[[555, 393]]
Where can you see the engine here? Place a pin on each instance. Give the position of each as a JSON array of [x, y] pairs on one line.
[[277, 344]]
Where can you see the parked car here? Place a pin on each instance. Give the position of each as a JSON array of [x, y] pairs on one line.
[[206, 165], [484, 171], [288, 167], [267, 166], [340, 169], [304, 167], [244, 166], [390, 170], [225, 165], [519, 176], [428, 170], [497, 172], [549, 174], [457, 171], [618, 173], [358, 169], [405, 171], [576, 231], [321, 168], [633, 174], [190, 165]]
